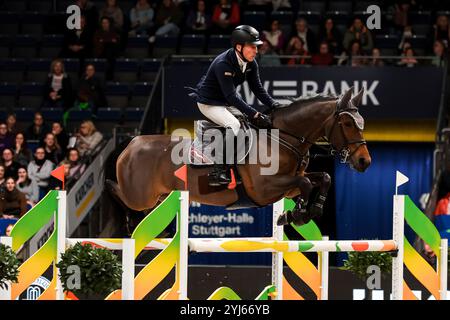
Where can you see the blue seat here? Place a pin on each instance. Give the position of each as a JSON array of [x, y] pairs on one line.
[[117, 95], [218, 43], [340, 6], [387, 41], [53, 114], [51, 45], [33, 23], [283, 17], [38, 70], [313, 5], [9, 23], [139, 96], [109, 114], [338, 16], [419, 42], [25, 46], [256, 19], [126, 70], [149, 69], [12, 70], [41, 6], [363, 5], [61, 5], [137, 48], [14, 5], [8, 95], [420, 17], [310, 16], [165, 45], [30, 95], [192, 44]]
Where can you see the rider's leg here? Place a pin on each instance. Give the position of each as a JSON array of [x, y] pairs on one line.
[[223, 117]]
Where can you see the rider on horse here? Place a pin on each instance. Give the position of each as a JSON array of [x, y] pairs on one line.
[[216, 94]]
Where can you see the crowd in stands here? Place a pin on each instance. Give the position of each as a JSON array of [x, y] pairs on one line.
[[25, 174]]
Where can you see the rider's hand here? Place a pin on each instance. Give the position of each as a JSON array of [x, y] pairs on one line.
[[262, 121]]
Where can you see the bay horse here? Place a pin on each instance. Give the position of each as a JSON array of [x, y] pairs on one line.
[[145, 171]]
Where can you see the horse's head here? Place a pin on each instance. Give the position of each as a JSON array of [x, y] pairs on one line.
[[346, 132]]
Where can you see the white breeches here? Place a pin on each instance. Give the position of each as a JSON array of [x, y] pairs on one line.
[[223, 116]]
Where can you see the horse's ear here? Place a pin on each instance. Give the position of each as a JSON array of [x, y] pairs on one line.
[[343, 102], [356, 101]]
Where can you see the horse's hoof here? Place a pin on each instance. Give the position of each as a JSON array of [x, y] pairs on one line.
[[283, 219], [301, 217], [316, 210]]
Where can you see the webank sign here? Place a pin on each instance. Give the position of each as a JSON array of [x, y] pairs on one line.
[[390, 92]]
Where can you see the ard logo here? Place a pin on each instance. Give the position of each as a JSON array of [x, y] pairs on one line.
[[35, 289]]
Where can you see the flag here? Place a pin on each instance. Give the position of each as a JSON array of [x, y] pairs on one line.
[[400, 179], [181, 174], [58, 173]]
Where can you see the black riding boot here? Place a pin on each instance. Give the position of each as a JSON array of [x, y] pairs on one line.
[[219, 175]]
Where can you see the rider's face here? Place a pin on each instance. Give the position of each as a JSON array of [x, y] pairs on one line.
[[249, 51]]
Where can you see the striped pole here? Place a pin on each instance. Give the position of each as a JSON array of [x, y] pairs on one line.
[[277, 257]]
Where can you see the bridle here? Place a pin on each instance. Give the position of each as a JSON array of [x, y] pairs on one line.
[[344, 153]]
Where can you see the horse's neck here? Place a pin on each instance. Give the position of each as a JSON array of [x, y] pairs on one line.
[[308, 121]]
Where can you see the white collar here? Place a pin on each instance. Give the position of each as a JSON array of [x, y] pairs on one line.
[[241, 62]]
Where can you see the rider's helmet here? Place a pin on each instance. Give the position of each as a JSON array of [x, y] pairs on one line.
[[245, 34]]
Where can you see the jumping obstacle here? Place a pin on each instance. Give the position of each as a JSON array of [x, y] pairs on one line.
[[174, 252]]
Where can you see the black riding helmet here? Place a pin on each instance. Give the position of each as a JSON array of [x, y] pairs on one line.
[[245, 34]]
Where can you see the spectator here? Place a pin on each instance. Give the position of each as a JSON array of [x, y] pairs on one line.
[[62, 138], [297, 47], [439, 54], [442, 206], [53, 151], [442, 30], [107, 45], [78, 43], [90, 91], [275, 36], [13, 204], [168, 19], [406, 38], [303, 32], [408, 59], [40, 170], [89, 11], [8, 230], [106, 40], [141, 17], [354, 57], [38, 129], [324, 57], [375, 60], [226, 17], [401, 14], [332, 36], [22, 154], [88, 137], [11, 166], [199, 21], [268, 57], [2, 178], [112, 11], [360, 33], [58, 87], [76, 167], [11, 121], [28, 187], [6, 138]]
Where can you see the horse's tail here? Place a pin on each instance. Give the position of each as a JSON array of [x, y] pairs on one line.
[[114, 197]]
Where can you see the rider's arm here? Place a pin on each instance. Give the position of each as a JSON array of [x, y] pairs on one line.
[[224, 76], [257, 88]]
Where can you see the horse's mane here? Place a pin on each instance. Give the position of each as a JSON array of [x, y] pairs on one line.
[[303, 100]]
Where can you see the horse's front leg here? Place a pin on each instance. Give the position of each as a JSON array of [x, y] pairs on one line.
[[323, 181]]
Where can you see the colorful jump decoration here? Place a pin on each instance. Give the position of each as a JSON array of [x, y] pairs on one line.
[[174, 252]]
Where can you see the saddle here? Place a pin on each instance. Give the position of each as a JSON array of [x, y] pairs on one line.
[[206, 150]]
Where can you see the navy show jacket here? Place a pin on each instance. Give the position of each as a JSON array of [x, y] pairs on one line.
[[218, 86]]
